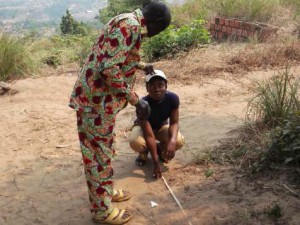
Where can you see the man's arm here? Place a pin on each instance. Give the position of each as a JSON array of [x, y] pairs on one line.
[[151, 145]]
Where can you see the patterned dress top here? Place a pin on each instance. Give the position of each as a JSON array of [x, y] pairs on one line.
[[105, 83]]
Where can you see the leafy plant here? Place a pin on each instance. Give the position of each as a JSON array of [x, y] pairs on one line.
[[174, 40], [286, 143]]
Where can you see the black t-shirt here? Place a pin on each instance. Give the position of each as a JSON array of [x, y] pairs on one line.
[[161, 110]]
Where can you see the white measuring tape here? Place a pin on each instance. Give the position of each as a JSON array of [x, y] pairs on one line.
[[176, 200]]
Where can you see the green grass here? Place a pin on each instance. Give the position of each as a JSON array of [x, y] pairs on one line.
[[59, 50], [249, 10], [15, 58], [275, 99], [22, 57]]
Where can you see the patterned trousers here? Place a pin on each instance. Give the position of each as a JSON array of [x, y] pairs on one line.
[[96, 138]]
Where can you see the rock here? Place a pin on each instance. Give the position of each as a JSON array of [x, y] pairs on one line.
[[4, 87]]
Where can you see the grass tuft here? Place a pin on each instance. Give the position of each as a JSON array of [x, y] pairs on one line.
[[15, 58]]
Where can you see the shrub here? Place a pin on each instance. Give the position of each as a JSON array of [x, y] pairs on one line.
[[286, 143], [15, 58], [58, 50], [174, 40], [272, 136], [276, 99]]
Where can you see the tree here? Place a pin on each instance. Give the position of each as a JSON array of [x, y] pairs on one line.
[[69, 25]]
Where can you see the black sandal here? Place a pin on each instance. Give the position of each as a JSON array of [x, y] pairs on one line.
[[140, 162]]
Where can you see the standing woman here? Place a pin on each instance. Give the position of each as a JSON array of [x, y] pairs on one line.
[[103, 88]]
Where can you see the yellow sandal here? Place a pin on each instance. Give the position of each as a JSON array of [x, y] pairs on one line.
[[115, 217], [120, 195]]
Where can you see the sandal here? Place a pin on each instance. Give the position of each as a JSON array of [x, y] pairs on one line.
[[120, 195], [116, 217], [141, 159]]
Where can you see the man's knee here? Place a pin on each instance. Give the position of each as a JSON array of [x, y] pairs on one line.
[[138, 144], [180, 142]]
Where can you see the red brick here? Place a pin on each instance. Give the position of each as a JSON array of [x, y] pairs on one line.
[[212, 26], [237, 24], [239, 32], [220, 35], [226, 22], [233, 30], [244, 33], [216, 27], [222, 21], [247, 26], [228, 30], [250, 34], [223, 28], [231, 23], [212, 33]]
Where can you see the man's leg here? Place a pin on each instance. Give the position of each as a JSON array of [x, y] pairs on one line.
[[162, 135], [138, 144]]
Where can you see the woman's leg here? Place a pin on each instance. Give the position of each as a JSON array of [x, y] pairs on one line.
[[96, 141]]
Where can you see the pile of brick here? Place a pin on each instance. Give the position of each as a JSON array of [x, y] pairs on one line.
[[237, 30]]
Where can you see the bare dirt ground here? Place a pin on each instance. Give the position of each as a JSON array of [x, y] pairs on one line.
[[42, 178]]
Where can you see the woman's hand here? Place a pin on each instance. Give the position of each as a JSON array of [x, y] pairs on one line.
[[149, 69]]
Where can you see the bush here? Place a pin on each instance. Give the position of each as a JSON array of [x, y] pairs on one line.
[[276, 99], [58, 50], [15, 58], [174, 40], [286, 143], [273, 134]]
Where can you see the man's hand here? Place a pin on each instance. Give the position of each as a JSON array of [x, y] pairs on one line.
[[149, 69], [156, 171], [170, 153], [142, 110]]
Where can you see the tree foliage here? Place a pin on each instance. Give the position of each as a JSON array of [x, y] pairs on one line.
[[69, 25]]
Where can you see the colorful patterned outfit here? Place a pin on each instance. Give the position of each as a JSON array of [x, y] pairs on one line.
[[102, 89]]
